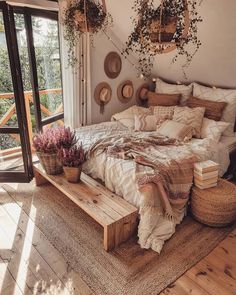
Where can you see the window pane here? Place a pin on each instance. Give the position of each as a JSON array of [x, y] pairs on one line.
[[25, 70], [10, 153], [46, 43], [8, 115], [54, 124]]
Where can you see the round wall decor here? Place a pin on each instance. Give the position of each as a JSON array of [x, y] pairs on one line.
[[102, 93], [125, 91], [112, 65], [141, 94]]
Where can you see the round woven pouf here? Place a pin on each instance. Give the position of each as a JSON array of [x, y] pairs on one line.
[[215, 206]]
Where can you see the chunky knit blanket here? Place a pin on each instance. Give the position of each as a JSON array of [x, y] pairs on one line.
[[173, 179]]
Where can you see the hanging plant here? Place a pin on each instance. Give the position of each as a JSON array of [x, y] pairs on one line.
[[80, 17], [172, 25]]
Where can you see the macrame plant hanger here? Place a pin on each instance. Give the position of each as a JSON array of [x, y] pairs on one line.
[[87, 29], [160, 27]]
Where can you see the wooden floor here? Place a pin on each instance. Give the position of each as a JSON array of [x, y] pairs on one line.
[[29, 264]]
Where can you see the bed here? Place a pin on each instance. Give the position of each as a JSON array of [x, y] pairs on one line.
[[229, 142], [120, 176], [154, 174]]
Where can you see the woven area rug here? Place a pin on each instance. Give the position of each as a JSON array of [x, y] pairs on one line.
[[128, 270]]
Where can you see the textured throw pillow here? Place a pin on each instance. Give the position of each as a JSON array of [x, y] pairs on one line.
[[212, 129], [184, 90], [162, 112], [175, 130], [190, 117], [155, 99], [145, 122], [222, 95], [127, 116], [214, 109]]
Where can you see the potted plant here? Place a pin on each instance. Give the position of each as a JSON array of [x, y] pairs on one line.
[[160, 29], [80, 17], [162, 33], [72, 160], [47, 144]]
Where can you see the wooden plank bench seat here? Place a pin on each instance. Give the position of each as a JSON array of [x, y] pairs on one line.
[[118, 218]]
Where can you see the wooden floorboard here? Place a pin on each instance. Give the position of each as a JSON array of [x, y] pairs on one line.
[[45, 270], [46, 254]]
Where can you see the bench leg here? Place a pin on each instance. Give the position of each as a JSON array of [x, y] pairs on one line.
[[39, 179], [109, 237], [120, 231]]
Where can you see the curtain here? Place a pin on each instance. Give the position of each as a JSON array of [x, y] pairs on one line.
[[76, 82]]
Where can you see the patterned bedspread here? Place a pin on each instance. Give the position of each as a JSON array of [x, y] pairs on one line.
[[152, 173]]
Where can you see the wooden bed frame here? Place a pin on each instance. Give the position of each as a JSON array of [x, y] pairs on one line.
[[118, 218]]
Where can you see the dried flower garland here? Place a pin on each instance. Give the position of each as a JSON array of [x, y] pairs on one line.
[[83, 16], [174, 24]]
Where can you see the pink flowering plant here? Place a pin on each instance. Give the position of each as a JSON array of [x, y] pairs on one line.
[[72, 157], [53, 139]]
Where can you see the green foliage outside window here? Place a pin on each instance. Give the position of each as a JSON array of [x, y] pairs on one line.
[[48, 69]]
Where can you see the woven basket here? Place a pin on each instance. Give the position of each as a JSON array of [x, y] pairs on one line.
[[50, 163], [167, 31], [215, 206]]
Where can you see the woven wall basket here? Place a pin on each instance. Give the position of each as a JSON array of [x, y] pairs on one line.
[[215, 206], [50, 163]]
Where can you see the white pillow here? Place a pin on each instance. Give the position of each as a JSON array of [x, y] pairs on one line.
[[175, 130], [219, 94], [184, 90], [145, 122], [127, 116], [213, 129], [191, 117]]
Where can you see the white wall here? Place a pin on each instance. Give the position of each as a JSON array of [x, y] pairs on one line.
[[102, 46], [214, 64]]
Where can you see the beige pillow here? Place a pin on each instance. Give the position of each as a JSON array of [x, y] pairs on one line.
[[175, 130], [145, 122], [163, 112], [184, 90], [212, 129], [155, 99], [222, 95], [190, 117], [127, 116]]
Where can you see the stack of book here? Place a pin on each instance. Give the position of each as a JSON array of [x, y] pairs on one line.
[[206, 174]]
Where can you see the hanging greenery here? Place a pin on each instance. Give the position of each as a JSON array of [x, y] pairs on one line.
[[172, 25], [83, 16]]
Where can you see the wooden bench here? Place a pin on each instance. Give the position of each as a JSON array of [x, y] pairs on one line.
[[118, 218]]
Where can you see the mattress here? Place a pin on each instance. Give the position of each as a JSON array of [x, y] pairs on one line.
[[229, 142]]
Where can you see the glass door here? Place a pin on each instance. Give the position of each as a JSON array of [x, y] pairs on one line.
[[44, 54], [15, 153]]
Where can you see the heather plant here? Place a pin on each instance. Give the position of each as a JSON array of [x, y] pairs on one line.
[[64, 137], [53, 139], [72, 157]]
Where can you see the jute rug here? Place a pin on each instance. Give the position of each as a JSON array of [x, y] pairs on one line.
[[128, 270]]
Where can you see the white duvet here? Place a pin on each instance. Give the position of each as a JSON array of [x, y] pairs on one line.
[[119, 176]]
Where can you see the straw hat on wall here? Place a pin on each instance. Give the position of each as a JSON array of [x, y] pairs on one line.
[[125, 91], [112, 65], [102, 93], [141, 94]]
